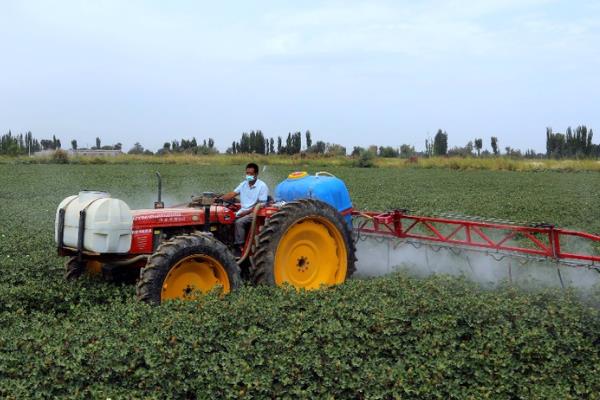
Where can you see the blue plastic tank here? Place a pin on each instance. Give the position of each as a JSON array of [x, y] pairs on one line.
[[321, 186]]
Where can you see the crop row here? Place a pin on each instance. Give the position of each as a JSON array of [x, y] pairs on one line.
[[379, 338]]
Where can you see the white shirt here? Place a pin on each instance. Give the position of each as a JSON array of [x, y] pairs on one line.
[[250, 195]]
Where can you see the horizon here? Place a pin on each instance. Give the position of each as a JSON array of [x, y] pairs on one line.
[[354, 73], [67, 145]]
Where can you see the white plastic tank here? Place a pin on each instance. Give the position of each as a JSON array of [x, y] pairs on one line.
[[108, 222]]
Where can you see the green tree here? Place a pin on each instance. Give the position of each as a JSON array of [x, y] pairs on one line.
[[297, 142], [494, 145], [74, 144], [465, 151], [388, 152], [407, 151], [289, 148], [136, 149], [46, 144], [29, 141], [244, 145], [98, 143], [440, 143], [334, 149], [556, 144], [428, 147], [308, 140], [259, 143], [6, 144], [478, 146], [252, 142], [319, 147], [356, 151]]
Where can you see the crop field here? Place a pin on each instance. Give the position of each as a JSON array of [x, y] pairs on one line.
[[388, 337]]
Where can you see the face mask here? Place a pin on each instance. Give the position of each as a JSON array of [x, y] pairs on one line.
[[250, 178]]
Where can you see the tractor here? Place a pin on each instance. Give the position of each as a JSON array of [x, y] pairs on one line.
[[305, 237], [302, 238]]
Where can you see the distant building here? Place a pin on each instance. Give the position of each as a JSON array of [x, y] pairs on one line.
[[94, 153], [44, 153], [82, 152]]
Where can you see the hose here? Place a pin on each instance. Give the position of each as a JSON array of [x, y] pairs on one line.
[[252, 228]]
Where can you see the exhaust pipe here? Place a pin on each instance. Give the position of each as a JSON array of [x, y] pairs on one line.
[[159, 203]]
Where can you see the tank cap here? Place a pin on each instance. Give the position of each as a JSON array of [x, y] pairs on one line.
[[297, 175]]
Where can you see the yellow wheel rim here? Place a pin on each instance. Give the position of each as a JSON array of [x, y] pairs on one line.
[[195, 272], [311, 253]]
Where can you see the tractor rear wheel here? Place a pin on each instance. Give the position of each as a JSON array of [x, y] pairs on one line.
[[307, 243], [186, 264]]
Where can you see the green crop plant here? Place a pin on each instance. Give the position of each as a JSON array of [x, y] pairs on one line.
[[390, 337]]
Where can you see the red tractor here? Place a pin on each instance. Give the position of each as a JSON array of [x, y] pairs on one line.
[[304, 239]]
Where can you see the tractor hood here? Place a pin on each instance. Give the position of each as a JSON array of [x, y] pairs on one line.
[[150, 222], [176, 217]]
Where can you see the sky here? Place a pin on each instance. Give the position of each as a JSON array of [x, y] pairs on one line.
[[352, 72]]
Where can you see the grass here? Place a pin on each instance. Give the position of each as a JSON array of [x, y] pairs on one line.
[[454, 163], [493, 164], [189, 159]]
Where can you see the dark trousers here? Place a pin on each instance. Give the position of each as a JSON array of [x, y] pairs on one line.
[[241, 225]]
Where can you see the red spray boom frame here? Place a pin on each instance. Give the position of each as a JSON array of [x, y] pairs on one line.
[[542, 240]]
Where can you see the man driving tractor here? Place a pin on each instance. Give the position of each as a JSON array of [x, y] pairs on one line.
[[251, 191], [304, 239]]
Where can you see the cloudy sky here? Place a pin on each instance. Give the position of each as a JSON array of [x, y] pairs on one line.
[[353, 72]]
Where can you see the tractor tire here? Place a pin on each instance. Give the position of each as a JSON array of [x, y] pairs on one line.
[[184, 264], [74, 269], [307, 244]]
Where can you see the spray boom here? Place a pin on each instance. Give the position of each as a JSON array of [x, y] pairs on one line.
[[540, 240]]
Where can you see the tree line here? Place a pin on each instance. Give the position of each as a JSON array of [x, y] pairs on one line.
[[571, 144], [574, 143], [256, 142], [15, 145], [191, 146]]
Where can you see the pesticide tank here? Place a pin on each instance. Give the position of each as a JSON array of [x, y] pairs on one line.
[[321, 186], [108, 222]]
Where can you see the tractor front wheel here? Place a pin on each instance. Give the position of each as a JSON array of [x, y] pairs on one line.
[[307, 244], [185, 265]]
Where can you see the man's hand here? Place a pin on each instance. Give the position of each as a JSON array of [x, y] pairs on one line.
[[228, 196], [244, 213]]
